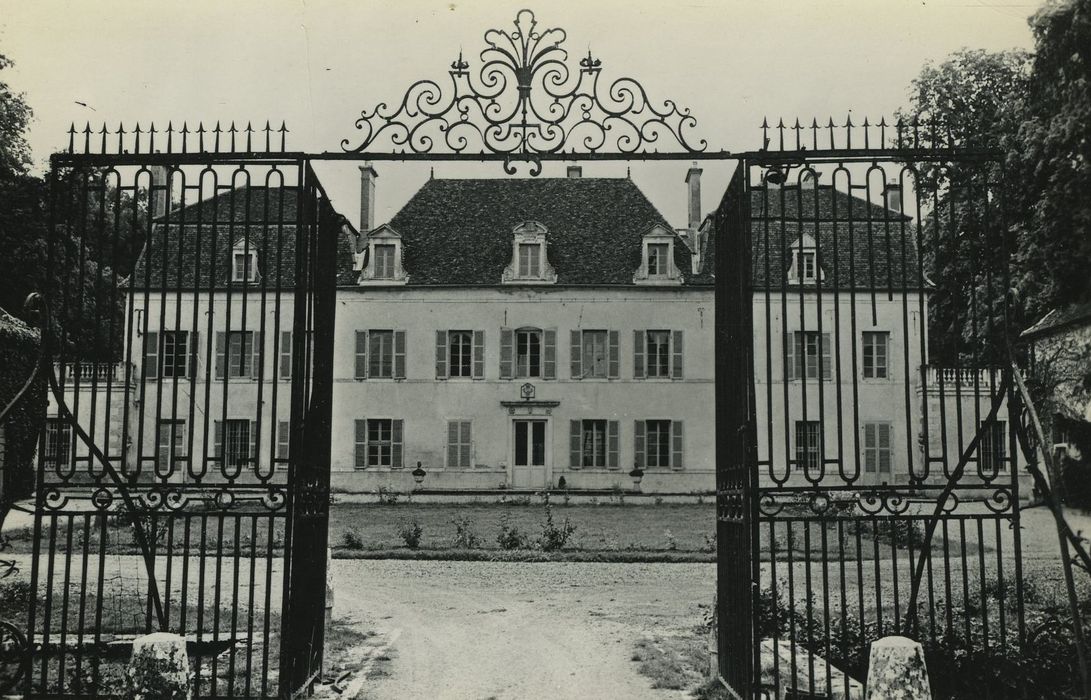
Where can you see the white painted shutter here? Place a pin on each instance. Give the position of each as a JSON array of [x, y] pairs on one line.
[[479, 354], [361, 355], [549, 354], [507, 350], [399, 354], [576, 358], [441, 354], [612, 444], [638, 354], [575, 437], [677, 445], [677, 350]]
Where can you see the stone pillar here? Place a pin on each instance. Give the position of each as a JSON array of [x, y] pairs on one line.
[[896, 669], [159, 668]]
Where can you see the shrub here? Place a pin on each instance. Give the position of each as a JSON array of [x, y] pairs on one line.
[[554, 538], [387, 497], [410, 531], [710, 543], [511, 537], [465, 534], [14, 598], [1076, 480], [350, 539], [672, 543]]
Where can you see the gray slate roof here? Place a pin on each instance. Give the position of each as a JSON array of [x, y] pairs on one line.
[[191, 246], [1059, 319], [459, 231]]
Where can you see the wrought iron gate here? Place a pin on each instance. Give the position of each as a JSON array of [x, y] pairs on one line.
[[867, 475], [184, 480]]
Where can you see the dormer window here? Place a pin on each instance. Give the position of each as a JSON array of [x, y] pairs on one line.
[[244, 265], [383, 256], [529, 256], [804, 262], [657, 258]]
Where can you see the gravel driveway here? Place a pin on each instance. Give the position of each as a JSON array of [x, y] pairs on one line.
[[515, 630]]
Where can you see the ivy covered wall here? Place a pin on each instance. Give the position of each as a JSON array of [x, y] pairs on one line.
[[18, 352]]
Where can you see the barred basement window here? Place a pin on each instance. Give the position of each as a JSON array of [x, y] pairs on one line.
[[236, 443], [993, 448]]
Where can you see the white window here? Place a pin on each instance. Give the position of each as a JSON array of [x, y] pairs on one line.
[[658, 259], [459, 444], [876, 344], [244, 266], [380, 354], [58, 442], [528, 353], [808, 355], [877, 452], [380, 348], [384, 260], [176, 355], [530, 256], [460, 353], [807, 265], [659, 353], [808, 446], [658, 444], [379, 443], [593, 444], [594, 354], [284, 436]]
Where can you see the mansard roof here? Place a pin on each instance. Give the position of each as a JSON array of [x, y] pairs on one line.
[[191, 246], [459, 231]]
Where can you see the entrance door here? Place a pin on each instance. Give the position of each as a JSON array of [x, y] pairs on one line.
[[529, 461]]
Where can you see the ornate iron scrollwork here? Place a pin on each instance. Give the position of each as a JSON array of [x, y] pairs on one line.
[[524, 101]]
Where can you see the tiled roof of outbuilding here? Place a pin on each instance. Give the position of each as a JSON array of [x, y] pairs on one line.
[[187, 250], [459, 231], [1057, 319]]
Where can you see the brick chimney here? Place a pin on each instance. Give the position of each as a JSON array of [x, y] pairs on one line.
[[575, 171], [367, 199], [693, 196], [893, 194]]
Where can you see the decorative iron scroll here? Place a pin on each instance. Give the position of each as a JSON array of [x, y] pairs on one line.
[[524, 101]]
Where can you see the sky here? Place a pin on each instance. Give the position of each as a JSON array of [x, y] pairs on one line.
[[316, 64]]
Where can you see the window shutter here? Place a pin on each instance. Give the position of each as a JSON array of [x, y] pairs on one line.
[[882, 443], [612, 444], [396, 444], [151, 355], [194, 353], [789, 356], [441, 354], [467, 457], [221, 354], [507, 342], [575, 437], [399, 354], [576, 359], [285, 354], [256, 368], [638, 354], [678, 442], [870, 460], [360, 460], [361, 355], [678, 352], [549, 354], [638, 444], [479, 354], [825, 355], [254, 444], [614, 365], [284, 437], [452, 444], [162, 446], [218, 444]]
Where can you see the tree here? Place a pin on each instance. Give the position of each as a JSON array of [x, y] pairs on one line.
[[1054, 253], [15, 115], [977, 99]]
